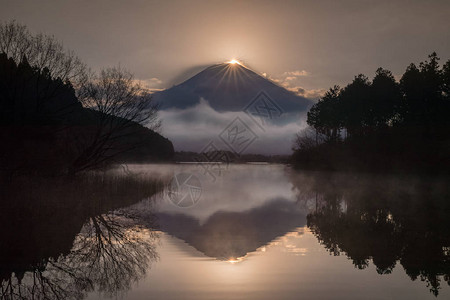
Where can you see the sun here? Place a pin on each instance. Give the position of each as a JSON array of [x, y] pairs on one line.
[[234, 62], [233, 260]]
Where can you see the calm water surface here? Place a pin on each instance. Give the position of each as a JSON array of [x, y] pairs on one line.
[[254, 232]]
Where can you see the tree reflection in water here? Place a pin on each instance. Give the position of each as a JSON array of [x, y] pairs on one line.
[[386, 220], [110, 252]]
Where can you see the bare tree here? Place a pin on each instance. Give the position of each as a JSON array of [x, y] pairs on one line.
[[47, 71], [42, 51], [115, 104], [308, 138], [115, 92], [119, 104], [36, 96]]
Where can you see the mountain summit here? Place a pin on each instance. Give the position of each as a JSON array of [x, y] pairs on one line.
[[229, 98], [228, 87]]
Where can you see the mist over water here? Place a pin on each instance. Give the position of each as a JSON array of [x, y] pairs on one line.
[[224, 150], [264, 231]]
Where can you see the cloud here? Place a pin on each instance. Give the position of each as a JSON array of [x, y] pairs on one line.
[[151, 84], [155, 80], [297, 73], [311, 94], [151, 91], [193, 128], [301, 91], [292, 81]]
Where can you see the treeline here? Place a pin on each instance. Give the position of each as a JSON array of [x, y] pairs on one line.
[[383, 124], [59, 117], [227, 157]]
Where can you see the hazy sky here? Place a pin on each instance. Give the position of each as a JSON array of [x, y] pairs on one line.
[[308, 44]]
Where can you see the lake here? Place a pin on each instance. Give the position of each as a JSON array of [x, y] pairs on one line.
[[249, 231]]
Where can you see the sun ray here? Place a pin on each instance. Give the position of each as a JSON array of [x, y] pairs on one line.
[[234, 62]]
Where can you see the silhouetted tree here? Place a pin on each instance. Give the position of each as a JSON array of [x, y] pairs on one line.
[[446, 81], [42, 51], [33, 117], [384, 124], [325, 116], [356, 103], [27, 95], [117, 103], [58, 117], [425, 103], [386, 95]]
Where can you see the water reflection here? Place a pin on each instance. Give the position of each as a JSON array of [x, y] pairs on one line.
[[107, 256], [71, 239], [64, 251], [232, 235], [244, 209], [388, 220]]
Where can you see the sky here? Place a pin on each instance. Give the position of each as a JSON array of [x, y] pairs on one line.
[[306, 46]]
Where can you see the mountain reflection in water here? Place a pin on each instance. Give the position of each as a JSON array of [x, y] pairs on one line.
[[68, 238], [232, 235]]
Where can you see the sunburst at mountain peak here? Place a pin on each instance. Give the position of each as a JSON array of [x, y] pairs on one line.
[[234, 62]]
